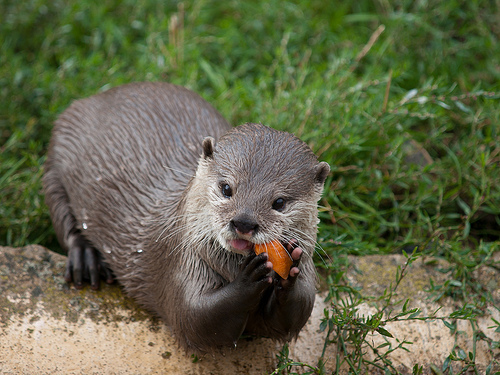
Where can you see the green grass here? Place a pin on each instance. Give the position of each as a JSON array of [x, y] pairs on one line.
[[364, 83]]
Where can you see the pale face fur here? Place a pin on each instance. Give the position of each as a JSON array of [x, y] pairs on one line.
[[260, 165]]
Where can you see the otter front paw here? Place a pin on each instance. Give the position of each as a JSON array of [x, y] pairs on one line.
[[255, 273]]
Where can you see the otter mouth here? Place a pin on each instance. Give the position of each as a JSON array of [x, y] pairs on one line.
[[241, 246]]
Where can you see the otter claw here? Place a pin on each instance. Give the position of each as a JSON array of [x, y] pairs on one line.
[[85, 263]]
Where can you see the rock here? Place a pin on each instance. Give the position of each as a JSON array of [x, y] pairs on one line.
[[431, 340], [48, 327]]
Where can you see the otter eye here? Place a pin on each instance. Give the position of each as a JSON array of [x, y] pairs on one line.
[[279, 204], [226, 190]]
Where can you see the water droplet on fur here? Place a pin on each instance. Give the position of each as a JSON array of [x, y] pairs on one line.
[[107, 250], [98, 178], [84, 225], [140, 251]]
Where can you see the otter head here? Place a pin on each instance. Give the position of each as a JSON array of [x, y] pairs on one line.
[[263, 185]]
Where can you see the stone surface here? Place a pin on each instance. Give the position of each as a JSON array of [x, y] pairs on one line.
[[431, 340], [47, 327]]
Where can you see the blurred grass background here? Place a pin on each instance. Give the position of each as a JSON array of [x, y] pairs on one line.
[[401, 98]]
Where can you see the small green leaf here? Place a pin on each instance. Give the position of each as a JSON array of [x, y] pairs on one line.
[[463, 107], [461, 354], [384, 332], [466, 231], [409, 95], [406, 305], [446, 363], [415, 314], [443, 105], [436, 370], [451, 326], [417, 370], [323, 325], [383, 345], [464, 206]]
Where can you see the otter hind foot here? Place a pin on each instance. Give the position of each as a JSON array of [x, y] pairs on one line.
[[85, 263]]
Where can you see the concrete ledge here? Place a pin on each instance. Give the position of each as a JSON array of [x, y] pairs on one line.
[[49, 328]]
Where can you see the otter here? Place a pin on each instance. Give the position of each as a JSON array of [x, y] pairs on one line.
[[149, 185]]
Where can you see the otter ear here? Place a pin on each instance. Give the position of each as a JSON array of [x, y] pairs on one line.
[[322, 170], [208, 145]]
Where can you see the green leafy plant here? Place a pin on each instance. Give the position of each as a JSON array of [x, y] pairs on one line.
[[351, 332]]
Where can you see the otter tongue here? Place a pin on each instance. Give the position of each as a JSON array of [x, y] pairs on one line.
[[241, 244]]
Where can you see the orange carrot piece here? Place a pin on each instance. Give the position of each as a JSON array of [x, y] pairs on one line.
[[278, 256]]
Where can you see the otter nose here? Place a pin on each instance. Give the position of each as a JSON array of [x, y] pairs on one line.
[[244, 224]]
